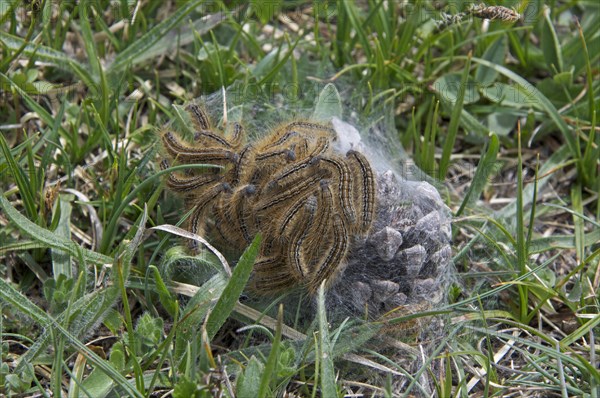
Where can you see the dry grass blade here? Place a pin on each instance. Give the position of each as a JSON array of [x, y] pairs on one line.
[[498, 356], [94, 219], [185, 234]]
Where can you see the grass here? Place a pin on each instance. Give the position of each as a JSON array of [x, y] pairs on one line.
[[503, 115]]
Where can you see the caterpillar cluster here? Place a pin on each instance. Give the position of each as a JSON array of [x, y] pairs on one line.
[[308, 202]]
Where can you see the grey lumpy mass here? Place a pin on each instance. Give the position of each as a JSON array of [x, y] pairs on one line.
[[405, 260]]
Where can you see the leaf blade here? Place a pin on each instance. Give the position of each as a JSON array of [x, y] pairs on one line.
[[234, 288]]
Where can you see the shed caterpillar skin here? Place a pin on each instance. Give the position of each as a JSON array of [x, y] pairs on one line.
[[308, 202]]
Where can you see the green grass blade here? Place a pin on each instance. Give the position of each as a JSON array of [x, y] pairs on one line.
[[521, 248], [121, 270], [88, 38], [577, 203], [129, 56], [24, 305], [86, 312], [270, 371], [192, 316], [532, 212], [34, 105], [24, 185], [17, 149], [550, 44], [429, 143], [409, 26], [352, 14], [518, 48], [129, 247], [591, 155], [235, 287], [588, 74], [31, 175], [446, 382], [217, 60], [566, 242], [94, 59], [41, 52], [496, 54], [265, 10], [119, 273], [21, 246], [276, 68], [485, 168], [454, 122], [48, 238], [574, 212], [471, 123], [8, 60], [167, 300]]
